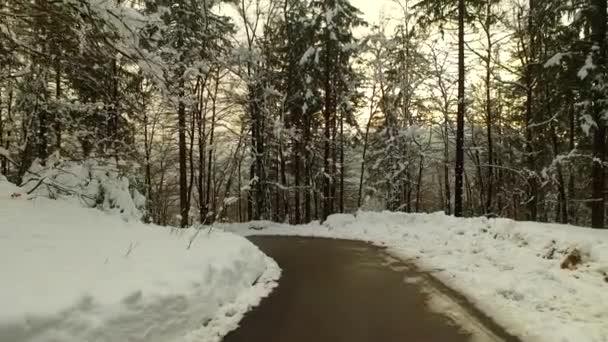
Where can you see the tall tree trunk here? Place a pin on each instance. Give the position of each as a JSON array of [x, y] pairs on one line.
[[285, 186], [532, 201], [571, 146], [308, 169], [598, 176], [9, 122], [183, 172], [240, 185], [334, 155], [191, 157], [446, 160], [257, 176], [209, 173], [202, 140], [147, 156], [181, 131], [327, 134], [459, 169], [43, 143], [276, 208], [297, 164], [489, 119], [58, 94], [419, 184], [113, 112], [3, 160], [293, 105], [251, 193], [342, 166]]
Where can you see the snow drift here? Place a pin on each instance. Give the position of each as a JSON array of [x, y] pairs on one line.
[[76, 274], [93, 183], [510, 270]]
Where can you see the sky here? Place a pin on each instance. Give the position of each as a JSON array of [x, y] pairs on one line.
[[373, 10]]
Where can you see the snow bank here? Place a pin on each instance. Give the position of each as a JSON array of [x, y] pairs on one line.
[[74, 274], [91, 183], [510, 270]]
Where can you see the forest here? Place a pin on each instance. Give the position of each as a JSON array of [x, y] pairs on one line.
[[293, 110]]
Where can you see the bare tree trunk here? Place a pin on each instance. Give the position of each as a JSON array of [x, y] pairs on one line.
[[489, 119], [3, 160], [201, 117], [334, 158], [9, 121], [147, 156], [446, 161], [297, 164], [327, 118], [276, 209], [58, 93], [113, 112], [181, 127], [285, 186], [419, 183], [294, 108], [532, 201], [598, 176], [342, 167], [210, 163], [257, 176], [459, 169], [571, 145], [308, 170], [240, 185], [183, 173], [191, 157]]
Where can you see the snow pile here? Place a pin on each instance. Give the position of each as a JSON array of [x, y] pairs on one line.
[[510, 270], [71, 274], [93, 183]]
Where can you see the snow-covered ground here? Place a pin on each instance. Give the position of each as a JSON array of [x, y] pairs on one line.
[[510, 270], [74, 274]]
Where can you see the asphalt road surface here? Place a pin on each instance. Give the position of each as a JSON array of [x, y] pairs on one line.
[[337, 290]]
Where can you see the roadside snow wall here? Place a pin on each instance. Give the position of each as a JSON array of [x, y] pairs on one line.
[[72, 274]]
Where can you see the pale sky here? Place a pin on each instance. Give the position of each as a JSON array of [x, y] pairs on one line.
[[372, 9]]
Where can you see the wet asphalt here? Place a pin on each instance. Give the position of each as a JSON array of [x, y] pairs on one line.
[[339, 291]]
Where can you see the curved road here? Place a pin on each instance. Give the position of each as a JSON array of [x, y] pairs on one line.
[[336, 290]]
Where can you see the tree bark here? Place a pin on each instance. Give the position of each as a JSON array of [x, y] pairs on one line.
[[459, 169], [446, 161], [183, 172], [489, 119], [533, 192], [342, 166], [209, 173], [308, 169], [327, 118], [9, 122], [598, 176], [58, 94], [3, 160]]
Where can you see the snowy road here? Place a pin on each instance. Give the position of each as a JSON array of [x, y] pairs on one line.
[[337, 290]]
